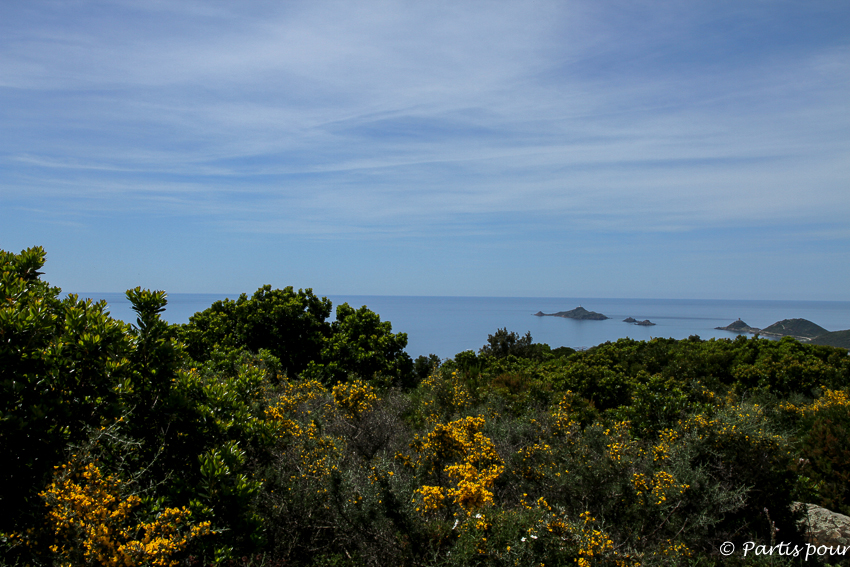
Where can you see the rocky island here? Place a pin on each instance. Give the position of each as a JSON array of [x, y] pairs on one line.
[[738, 327], [579, 313], [644, 323]]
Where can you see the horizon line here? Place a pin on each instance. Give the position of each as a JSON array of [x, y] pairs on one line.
[[227, 295]]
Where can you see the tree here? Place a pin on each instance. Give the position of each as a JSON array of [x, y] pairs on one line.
[[362, 344], [423, 366], [291, 325], [503, 343], [59, 363]]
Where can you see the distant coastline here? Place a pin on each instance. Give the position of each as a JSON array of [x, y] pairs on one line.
[[801, 329], [446, 325]]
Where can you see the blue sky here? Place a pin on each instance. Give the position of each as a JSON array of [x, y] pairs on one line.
[[565, 149]]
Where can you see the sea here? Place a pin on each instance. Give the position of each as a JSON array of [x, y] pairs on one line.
[[445, 326]]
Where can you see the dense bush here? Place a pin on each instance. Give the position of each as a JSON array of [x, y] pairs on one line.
[[60, 364], [293, 328], [260, 433]]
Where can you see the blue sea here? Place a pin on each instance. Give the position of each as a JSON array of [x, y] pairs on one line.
[[447, 325]]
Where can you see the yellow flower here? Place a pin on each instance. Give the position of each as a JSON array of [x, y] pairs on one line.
[[91, 518]]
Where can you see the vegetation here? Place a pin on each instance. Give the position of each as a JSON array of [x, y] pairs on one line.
[[794, 328], [261, 434], [839, 339]]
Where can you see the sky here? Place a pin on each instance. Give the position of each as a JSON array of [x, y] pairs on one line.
[[636, 149]]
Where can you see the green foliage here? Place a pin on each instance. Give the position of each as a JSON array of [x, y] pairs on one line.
[[293, 328], [823, 465], [839, 339], [563, 351], [290, 325], [215, 435], [424, 365], [155, 357], [657, 403], [502, 344], [60, 361], [787, 366], [742, 445], [303, 442], [68, 372], [825, 460], [361, 344]]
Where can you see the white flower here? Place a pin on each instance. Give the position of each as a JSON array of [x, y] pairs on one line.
[[533, 537], [522, 539]]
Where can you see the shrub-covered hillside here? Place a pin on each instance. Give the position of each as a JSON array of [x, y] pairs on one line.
[[263, 432]]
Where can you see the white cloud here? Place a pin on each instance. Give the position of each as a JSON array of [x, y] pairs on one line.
[[354, 114]]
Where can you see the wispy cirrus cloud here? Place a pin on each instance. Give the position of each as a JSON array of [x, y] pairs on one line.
[[371, 119]]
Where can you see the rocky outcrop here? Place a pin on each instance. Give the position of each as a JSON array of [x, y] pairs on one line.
[[644, 323], [822, 526], [579, 313], [738, 327]]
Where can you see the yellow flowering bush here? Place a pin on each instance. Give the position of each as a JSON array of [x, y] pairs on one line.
[[540, 535], [594, 545], [289, 405], [444, 395], [823, 464], [657, 487], [563, 414], [91, 517], [297, 412], [354, 398], [462, 460], [829, 400]]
